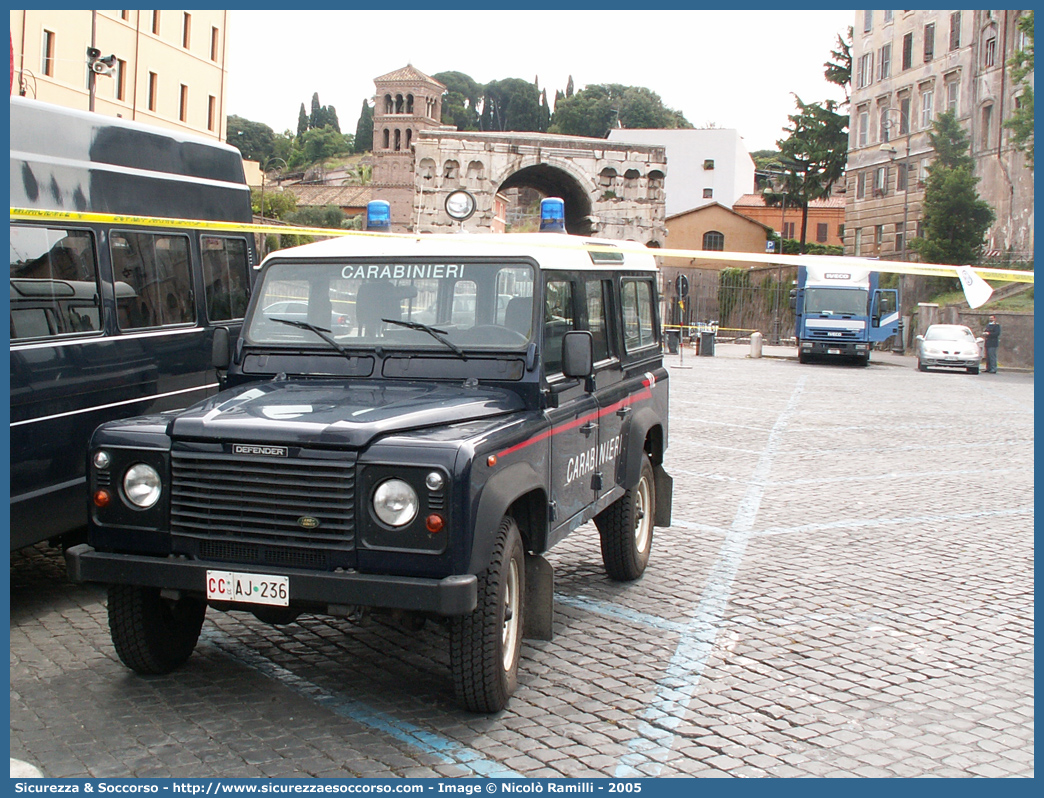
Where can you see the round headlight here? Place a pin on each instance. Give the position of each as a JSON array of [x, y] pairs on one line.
[[142, 486], [395, 502]]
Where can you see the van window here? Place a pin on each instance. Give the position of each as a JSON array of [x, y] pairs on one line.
[[226, 277], [54, 282], [558, 320], [153, 279], [638, 314]]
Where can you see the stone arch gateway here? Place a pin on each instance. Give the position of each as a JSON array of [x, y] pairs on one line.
[[574, 168]]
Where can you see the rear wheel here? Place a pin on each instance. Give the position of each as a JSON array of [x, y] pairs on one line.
[[152, 634], [626, 528], [486, 644]]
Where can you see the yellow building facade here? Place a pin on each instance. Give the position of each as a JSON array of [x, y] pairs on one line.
[[167, 68]]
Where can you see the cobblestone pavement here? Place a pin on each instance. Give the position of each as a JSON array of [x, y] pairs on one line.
[[847, 590]]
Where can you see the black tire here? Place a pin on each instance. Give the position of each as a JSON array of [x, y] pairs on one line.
[[921, 366], [802, 357], [626, 528], [151, 634], [485, 645], [973, 369]]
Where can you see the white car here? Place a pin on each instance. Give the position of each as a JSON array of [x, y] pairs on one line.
[[949, 346]]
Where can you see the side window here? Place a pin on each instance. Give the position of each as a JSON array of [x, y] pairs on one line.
[[54, 282], [226, 277], [638, 315], [153, 280], [596, 317], [558, 320]]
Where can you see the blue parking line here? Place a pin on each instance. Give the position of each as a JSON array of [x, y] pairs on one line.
[[449, 751], [676, 689]]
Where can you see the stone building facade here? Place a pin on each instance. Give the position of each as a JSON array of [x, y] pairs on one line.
[[612, 190], [908, 67]]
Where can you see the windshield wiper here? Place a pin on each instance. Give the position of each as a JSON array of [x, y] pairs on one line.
[[320, 331], [432, 331]]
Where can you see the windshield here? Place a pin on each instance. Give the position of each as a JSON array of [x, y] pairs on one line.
[[937, 333], [836, 300], [395, 305]]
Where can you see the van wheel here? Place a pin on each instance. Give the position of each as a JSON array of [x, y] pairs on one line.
[[486, 644], [626, 528], [151, 634]]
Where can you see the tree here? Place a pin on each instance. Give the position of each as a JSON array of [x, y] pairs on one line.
[[510, 104], [278, 204], [813, 156], [838, 70], [462, 100], [596, 109], [317, 145], [302, 121], [315, 120], [953, 217], [254, 139], [364, 129], [1021, 66]]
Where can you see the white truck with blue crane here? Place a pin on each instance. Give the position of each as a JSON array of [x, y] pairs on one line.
[[840, 312]]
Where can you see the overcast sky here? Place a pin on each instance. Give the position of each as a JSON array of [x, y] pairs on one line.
[[730, 69]]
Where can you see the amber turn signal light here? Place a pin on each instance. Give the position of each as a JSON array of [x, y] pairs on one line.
[[434, 523], [102, 498]]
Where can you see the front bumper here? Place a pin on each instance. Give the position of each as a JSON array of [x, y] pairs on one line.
[[843, 348], [450, 596], [929, 361]]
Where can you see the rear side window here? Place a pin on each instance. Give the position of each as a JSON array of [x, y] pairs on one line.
[[597, 292], [226, 277], [54, 283], [637, 296], [558, 320], [153, 280]]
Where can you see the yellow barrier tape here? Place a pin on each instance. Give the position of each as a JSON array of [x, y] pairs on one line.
[[554, 242]]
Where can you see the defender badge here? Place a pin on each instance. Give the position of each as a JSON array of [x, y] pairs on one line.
[[264, 451]]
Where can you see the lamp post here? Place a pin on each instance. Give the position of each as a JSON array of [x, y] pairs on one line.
[[904, 164], [779, 270], [264, 167], [899, 346]]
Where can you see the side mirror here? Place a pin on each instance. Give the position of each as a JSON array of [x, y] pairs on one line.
[[221, 349], [578, 354], [921, 338], [793, 299]]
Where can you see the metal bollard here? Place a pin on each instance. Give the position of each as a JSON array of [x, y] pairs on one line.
[[755, 344]]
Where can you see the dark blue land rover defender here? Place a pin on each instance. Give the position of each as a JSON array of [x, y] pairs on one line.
[[407, 425]]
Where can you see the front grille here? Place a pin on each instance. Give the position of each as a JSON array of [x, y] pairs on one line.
[[846, 335], [253, 554], [253, 505]]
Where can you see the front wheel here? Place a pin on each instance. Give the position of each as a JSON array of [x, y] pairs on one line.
[[626, 528], [921, 366], [485, 645], [151, 634], [973, 369]]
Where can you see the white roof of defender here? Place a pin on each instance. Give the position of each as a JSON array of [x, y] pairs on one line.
[[549, 250]]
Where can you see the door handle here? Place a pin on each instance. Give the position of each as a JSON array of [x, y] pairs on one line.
[[623, 412], [588, 428]]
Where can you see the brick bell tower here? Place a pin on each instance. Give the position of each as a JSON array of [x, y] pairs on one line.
[[407, 102]]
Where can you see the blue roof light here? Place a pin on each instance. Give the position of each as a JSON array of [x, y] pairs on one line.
[[378, 216], [552, 215]]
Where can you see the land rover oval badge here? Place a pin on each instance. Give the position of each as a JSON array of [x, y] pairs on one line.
[[308, 522]]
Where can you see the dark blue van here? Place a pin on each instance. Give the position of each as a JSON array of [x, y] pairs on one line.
[[111, 319]]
